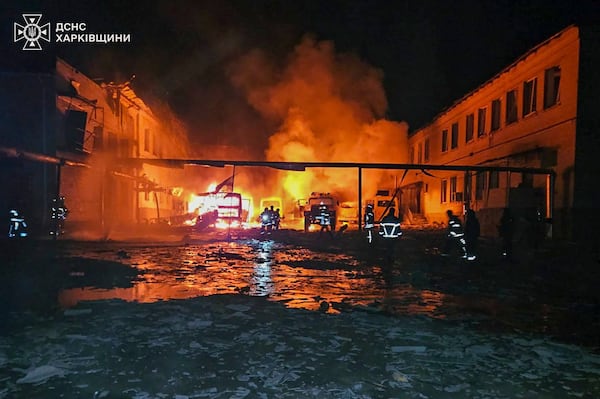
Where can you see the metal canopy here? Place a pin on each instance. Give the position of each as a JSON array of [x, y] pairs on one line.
[[302, 166]]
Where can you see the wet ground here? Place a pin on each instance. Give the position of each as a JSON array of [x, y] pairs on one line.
[[296, 315]]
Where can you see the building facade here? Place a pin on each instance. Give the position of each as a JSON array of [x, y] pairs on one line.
[[68, 135], [538, 112], [116, 125]]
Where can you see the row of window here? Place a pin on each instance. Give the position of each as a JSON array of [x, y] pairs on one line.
[[449, 187], [483, 180], [450, 138]]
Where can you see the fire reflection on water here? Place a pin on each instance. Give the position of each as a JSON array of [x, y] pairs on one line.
[[299, 278]]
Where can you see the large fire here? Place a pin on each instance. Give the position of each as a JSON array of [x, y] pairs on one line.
[[330, 108], [233, 209], [326, 107]]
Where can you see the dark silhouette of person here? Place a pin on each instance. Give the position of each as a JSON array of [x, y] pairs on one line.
[[369, 224], [390, 230], [324, 220], [506, 230], [455, 236], [265, 222], [472, 232]]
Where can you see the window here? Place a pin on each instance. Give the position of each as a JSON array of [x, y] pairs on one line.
[[494, 179], [412, 154], [426, 150], [551, 86], [453, 189], [420, 153], [529, 96], [481, 113], [511, 106], [480, 185], [155, 146], [454, 142], [146, 139], [495, 115], [444, 191], [444, 140], [469, 128]]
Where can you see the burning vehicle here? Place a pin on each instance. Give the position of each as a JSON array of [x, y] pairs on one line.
[[312, 209], [221, 210]]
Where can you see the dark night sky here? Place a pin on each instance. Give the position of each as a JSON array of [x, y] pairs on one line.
[[430, 52]]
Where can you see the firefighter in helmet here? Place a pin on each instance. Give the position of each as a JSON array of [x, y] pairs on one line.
[[17, 227], [455, 237], [58, 215], [324, 219], [277, 219], [369, 220], [390, 230], [265, 221]]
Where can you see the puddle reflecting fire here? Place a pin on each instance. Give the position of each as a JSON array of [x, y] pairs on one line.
[[297, 277]]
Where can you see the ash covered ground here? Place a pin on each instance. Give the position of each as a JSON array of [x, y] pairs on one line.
[[296, 315]]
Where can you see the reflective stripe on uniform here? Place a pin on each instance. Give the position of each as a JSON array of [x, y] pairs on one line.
[[390, 230]]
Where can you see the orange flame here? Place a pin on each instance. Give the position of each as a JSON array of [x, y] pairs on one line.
[[330, 108]]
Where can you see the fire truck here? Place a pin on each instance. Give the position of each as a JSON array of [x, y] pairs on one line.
[[312, 211]]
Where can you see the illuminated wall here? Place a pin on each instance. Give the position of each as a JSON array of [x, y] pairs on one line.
[[525, 116], [112, 194]]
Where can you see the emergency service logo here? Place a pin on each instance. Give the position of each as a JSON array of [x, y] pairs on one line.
[[31, 32]]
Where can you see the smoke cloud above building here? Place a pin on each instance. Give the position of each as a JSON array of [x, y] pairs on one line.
[[328, 106]]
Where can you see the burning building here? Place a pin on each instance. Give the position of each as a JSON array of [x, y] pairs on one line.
[[66, 134], [106, 123], [538, 112]]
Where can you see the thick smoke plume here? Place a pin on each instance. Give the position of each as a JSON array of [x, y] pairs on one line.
[[329, 107]]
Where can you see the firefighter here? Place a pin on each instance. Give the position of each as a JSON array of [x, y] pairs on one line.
[[506, 230], [265, 222], [472, 232], [17, 227], [369, 222], [59, 213], [277, 219], [455, 236], [390, 230], [324, 219]]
